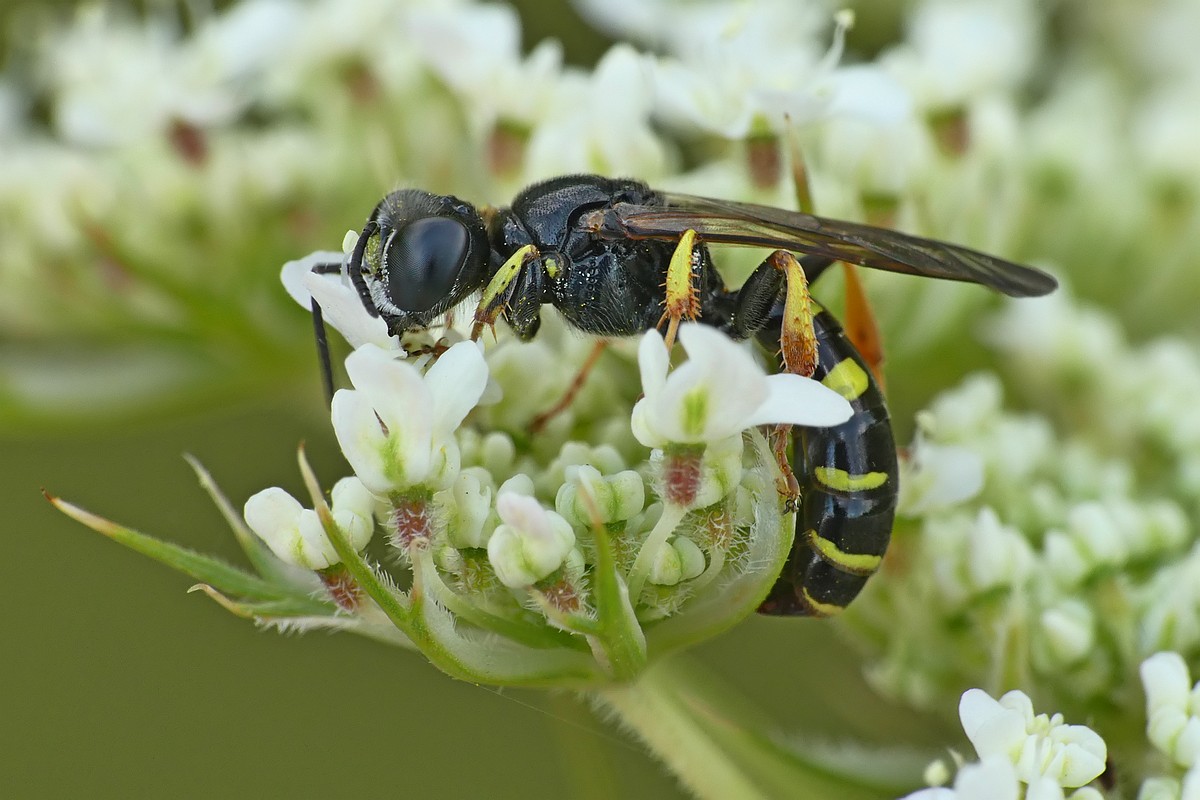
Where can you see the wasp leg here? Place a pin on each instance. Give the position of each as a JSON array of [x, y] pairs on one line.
[[797, 339], [683, 275], [501, 290], [321, 335], [755, 301], [573, 390], [860, 325]]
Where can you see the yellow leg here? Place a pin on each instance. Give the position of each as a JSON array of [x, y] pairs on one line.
[[798, 340], [495, 296], [683, 299]]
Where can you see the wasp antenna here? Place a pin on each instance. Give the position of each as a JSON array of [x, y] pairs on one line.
[[322, 340]]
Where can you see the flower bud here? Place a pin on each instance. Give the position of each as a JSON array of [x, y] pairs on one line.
[[1069, 630], [1172, 703], [295, 533], [615, 497], [466, 509], [531, 542], [677, 560]]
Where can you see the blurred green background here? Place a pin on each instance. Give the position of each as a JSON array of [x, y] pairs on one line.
[[117, 683]]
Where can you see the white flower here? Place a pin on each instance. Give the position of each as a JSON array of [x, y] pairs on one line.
[[341, 307], [1092, 542], [871, 137], [1038, 746], [396, 427], [993, 778], [976, 556], [476, 49], [599, 122], [118, 82], [720, 392], [1068, 630], [1172, 707], [937, 476], [741, 72], [295, 534], [961, 49], [530, 543]]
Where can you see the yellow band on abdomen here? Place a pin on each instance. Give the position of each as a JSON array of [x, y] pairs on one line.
[[854, 563], [842, 481]]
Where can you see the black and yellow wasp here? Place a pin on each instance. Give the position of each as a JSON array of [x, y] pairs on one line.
[[616, 258]]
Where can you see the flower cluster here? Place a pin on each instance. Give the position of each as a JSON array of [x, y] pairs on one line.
[[1020, 754], [1031, 540], [260, 125], [147, 160], [575, 558], [1037, 757]]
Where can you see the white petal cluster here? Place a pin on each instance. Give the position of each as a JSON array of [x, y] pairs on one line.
[[720, 392], [119, 82], [341, 307], [1038, 746], [295, 533], [1172, 708], [530, 543], [396, 426], [1062, 529]]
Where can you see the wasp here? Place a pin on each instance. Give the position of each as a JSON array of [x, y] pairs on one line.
[[615, 257]]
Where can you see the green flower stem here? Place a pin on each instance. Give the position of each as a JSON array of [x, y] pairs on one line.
[[714, 748], [490, 659], [620, 643], [395, 607], [672, 514], [519, 631]]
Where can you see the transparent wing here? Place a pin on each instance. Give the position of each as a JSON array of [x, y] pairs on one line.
[[729, 222]]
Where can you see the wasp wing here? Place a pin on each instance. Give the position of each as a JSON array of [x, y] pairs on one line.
[[729, 222]]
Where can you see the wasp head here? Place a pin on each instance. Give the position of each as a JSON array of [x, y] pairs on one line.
[[418, 256]]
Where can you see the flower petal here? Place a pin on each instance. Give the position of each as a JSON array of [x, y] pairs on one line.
[[342, 310], [992, 728], [653, 361], [795, 400], [361, 438], [293, 274], [271, 511], [398, 393], [455, 383], [341, 307]]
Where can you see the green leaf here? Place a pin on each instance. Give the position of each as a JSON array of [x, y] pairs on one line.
[[206, 569], [270, 610], [269, 565]]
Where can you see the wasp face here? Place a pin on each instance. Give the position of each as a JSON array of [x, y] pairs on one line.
[[419, 256]]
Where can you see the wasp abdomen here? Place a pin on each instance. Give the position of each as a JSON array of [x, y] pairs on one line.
[[848, 487]]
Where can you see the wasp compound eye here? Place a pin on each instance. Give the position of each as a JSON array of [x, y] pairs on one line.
[[422, 261]]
